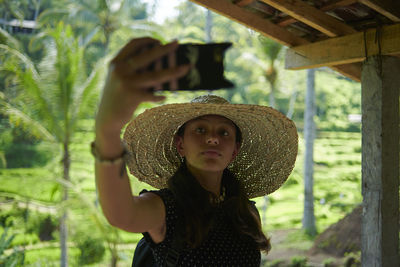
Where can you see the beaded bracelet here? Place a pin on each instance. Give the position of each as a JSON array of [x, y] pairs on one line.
[[107, 161]]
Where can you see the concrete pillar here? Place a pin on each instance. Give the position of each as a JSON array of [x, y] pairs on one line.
[[380, 161]]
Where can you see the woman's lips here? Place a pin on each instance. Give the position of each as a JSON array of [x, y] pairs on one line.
[[211, 153]]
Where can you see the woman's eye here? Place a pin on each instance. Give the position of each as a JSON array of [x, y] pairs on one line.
[[224, 133], [200, 130]]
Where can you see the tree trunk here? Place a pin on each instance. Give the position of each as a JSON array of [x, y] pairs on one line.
[[63, 221], [114, 255], [292, 102], [37, 8], [114, 261], [309, 132], [272, 96]]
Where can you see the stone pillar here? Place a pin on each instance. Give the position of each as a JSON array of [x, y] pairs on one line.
[[380, 161]]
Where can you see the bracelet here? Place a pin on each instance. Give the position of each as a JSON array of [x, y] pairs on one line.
[[107, 161]]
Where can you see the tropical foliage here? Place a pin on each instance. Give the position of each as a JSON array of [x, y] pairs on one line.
[[49, 99], [13, 259]]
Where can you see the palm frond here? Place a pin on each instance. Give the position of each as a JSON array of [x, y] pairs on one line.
[[48, 16], [24, 59], [109, 233], [270, 48], [87, 16], [36, 42], [31, 82], [87, 94], [19, 118], [3, 161], [8, 39], [5, 241], [67, 72], [104, 4], [89, 37]]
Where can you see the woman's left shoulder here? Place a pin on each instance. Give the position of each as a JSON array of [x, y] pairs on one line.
[[160, 192]]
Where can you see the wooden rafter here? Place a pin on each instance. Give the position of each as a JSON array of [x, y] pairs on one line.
[[346, 49], [243, 3], [352, 71], [265, 27], [327, 7], [311, 16], [253, 21], [337, 3], [388, 8]]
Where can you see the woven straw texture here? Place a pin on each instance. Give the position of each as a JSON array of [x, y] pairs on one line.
[[265, 160]]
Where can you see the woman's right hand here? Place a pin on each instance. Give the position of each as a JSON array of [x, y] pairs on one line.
[[128, 81]]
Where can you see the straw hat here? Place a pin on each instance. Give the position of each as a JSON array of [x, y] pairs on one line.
[[265, 160]]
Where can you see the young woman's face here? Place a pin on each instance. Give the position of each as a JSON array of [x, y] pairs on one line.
[[208, 143]]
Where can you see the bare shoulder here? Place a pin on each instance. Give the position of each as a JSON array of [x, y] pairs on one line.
[[151, 207], [146, 212], [151, 197], [151, 201]]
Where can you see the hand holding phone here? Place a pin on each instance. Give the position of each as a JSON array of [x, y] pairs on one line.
[[207, 67]]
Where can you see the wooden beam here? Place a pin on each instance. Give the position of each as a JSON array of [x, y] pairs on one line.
[[253, 21], [243, 3], [388, 8], [344, 50], [327, 7], [311, 16], [352, 71], [337, 3]]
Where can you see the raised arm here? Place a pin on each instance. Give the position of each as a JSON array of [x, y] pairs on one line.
[[125, 88]]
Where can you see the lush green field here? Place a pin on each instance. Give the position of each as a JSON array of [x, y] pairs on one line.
[[337, 187], [337, 174]]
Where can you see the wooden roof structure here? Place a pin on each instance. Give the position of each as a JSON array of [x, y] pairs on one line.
[[339, 34], [361, 40]]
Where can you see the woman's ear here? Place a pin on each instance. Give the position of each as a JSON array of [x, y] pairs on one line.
[[179, 145]]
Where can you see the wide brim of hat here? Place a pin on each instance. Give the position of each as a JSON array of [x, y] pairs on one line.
[[266, 158]]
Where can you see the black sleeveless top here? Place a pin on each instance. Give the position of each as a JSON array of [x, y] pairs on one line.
[[222, 247]]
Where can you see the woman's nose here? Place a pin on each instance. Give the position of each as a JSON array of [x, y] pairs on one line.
[[212, 140]]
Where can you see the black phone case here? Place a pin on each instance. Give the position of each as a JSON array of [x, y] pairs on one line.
[[207, 72]]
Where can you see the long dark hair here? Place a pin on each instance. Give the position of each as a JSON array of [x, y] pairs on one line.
[[191, 196]]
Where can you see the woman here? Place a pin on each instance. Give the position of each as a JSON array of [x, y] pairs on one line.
[[208, 157]]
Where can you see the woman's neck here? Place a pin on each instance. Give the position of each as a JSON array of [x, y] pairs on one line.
[[210, 181]]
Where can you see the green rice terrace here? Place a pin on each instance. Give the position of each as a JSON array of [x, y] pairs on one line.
[[30, 196]]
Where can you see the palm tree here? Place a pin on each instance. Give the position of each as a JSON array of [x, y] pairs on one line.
[[108, 233], [97, 21], [52, 97], [271, 50]]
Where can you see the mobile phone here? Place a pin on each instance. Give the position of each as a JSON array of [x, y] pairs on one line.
[[207, 72]]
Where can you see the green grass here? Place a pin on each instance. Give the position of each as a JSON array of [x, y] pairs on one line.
[[337, 184], [337, 175], [33, 183], [49, 256]]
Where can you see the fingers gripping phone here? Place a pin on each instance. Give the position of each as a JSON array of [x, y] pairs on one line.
[[207, 72]]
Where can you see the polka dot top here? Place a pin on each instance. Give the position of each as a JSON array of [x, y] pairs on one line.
[[222, 247]]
